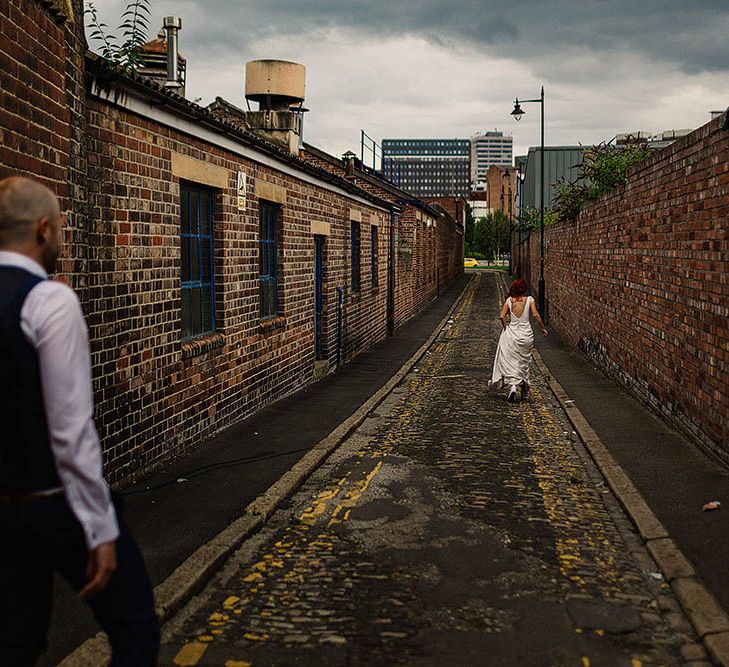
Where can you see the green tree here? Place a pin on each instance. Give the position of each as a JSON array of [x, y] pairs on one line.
[[491, 236]]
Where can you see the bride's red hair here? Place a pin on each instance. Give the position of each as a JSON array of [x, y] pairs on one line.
[[518, 288]]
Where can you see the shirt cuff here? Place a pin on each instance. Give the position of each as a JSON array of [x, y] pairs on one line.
[[101, 528]]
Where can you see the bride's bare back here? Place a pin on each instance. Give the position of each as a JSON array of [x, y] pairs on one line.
[[518, 303]]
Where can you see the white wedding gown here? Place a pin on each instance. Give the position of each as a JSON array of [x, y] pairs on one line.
[[511, 365]]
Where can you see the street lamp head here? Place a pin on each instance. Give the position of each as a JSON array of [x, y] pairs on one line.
[[518, 112]]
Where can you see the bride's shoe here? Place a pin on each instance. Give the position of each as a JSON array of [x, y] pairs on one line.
[[512, 394]]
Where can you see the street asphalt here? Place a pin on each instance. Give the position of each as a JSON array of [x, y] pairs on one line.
[[451, 528], [181, 506], [673, 475]]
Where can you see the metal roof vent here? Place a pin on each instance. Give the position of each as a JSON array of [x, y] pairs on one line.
[[172, 25], [278, 87]]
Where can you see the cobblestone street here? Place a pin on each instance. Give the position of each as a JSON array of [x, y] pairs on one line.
[[452, 528]]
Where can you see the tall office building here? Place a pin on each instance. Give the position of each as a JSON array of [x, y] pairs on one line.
[[488, 149], [428, 167]]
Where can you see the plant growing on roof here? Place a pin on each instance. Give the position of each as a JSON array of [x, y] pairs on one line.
[[134, 28]]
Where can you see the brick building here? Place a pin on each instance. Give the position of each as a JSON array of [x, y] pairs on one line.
[[501, 189], [217, 270], [422, 233]]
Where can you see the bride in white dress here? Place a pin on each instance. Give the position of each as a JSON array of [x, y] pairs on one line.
[[511, 365]]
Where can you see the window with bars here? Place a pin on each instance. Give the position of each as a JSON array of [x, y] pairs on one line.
[[197, 265], [268, 258], [355, 243], [374, 255]]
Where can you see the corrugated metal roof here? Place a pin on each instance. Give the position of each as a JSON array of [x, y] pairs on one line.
[[559, 162]]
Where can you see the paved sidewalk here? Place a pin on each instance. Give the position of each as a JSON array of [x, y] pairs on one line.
[[172, 518], [673, 475], [452, 528]]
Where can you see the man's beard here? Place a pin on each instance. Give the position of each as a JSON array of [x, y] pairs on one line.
[[50, 256]]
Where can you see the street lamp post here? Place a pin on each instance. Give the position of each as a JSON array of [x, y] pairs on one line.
[[518, 112], [511, 224]]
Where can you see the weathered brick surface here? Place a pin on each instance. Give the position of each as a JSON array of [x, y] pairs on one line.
[[157, 396], [42, 110], [113, 168], [35, 119], [641, 283], [428, 243]]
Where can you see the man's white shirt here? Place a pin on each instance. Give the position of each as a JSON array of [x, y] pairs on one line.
[[52, 321]]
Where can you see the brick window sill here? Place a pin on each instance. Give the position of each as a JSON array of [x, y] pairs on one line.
[[198, 346], [272, 323]]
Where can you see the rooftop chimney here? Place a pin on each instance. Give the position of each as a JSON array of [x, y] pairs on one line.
[[159, 54], [172, 25], [278, 87], [349, 158]]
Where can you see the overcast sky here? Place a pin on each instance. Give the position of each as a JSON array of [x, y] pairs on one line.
[[436, 68]]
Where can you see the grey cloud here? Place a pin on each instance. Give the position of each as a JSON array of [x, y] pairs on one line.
[[689, 35]]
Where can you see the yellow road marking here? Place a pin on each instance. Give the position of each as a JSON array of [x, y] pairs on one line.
[[238, 663], [284, 549], [190, 654]]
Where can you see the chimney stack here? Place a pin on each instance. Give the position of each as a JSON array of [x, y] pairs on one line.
[[161, 61], [172, 25], [349, 158]]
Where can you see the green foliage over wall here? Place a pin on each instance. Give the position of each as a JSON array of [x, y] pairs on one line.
[[603, 168]]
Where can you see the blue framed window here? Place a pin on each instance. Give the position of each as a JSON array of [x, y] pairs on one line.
[[355, 242], [374, 255], [268, 258], [197, 261]]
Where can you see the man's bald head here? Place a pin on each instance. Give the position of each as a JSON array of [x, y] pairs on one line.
[[23, 203]]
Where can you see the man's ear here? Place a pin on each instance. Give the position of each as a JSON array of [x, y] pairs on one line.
[[43, 230]]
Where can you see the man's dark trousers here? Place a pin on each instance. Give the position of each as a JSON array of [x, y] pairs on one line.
[[43, 536]]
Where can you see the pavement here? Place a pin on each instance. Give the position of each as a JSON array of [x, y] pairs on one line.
[[450, 527], [180, 508], [673, 477], [460, 483]]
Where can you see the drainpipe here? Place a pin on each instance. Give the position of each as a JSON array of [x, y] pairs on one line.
[[340, 325]]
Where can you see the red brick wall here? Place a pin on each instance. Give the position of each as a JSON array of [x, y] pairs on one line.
[[41, 110], [427, 257], [641, 283], [155, 395], [35, 123]]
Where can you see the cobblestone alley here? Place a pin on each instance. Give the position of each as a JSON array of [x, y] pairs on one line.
[[452, 528]]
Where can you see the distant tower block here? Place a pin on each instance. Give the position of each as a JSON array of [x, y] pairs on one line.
[[278, 86]]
